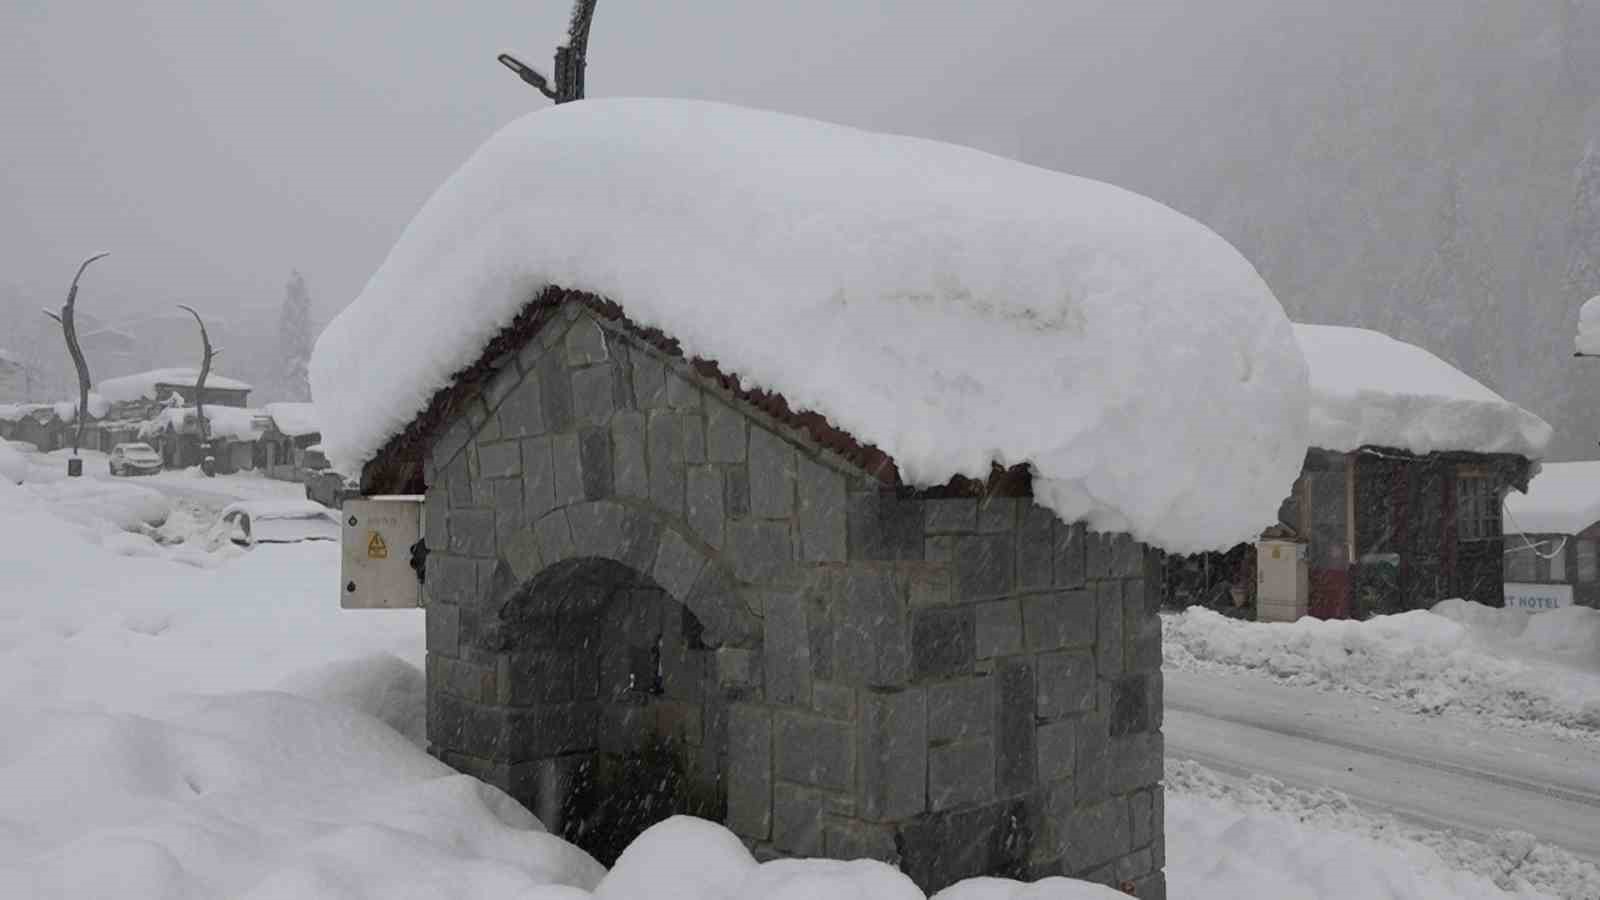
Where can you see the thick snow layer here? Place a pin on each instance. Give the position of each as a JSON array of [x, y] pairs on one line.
[[1588, 340], [1368, 389], [142, 385], [233, 422], [1533, 667], [953, 308], [294, 419], [1261, 838], [1564, 498], [67, 410]]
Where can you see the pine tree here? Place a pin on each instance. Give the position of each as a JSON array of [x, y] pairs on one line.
[[294, 338]]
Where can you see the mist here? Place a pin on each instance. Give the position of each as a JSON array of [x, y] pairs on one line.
[[1413, 167]]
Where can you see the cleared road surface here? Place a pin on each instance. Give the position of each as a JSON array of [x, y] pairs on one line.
[[1452, 773]]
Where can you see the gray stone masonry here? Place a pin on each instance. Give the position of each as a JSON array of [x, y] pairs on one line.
[[619, 549]]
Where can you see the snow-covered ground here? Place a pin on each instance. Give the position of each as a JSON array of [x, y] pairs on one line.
[[1529, 668], [226, 730]]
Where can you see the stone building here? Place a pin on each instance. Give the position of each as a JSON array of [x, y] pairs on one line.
[[625, 551]]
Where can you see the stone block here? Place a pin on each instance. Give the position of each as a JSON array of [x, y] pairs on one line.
[[1057, 748], [822, 512], [984, 565], [1097, 834], [705, 509], [567, 466], [677, 565], [1092, 775], [1108, 644], [797, 819], [1135, 761], [962, 709], [725, 433], [506, 494], [458, 483], [738, 669], [593, 395], [1130, 710], [555, 392], [1141, 810], [649, 380], [884, 526], [443, 628], [596, 529], [1015, 731], [554, 536], [502, 384], [693, 427], [521, 415], [537, 676], [772, 475], [996, 514], [893, 746], [786, 650], [435, 516], [681, 394], [836, 701], [813, 751], [858, 840], [998, 628], [665, 451], [943, 642], [594, 458], [760, 551], [586, 343], [502, 459], [955, 515], [1071, 562], [961, 774], [738, 491], [1058, 619], [641, 538], [451, 579], [1035, 548], [472, 532], [1066, 683], [447, 448], [872, 640], [538, 478], [931, 584], [1141, 630], [1098, 552], [629, 474]]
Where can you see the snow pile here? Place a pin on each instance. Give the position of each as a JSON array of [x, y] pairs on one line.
[[235, 423], [1368, 389], [294, 419], [14, 465], [1260, 838], [142, 385], [1459, 656], [1588, 340], [13, 412], [1564, 498], [67, 410], [953, 308]]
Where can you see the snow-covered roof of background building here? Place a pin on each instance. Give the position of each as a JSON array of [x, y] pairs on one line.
[[232, 422], [1588, 341], [67, 410], [1564, 498], [1368, 389], [126, 388], [950, 307], [293, 419]]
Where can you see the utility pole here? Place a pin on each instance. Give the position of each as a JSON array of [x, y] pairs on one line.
[[571, 59], [69, 328]]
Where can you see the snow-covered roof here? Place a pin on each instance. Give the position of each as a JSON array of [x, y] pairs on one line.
[[950, 307], [1588, 341], [67, 410], [294, 419], [1564, 498], [1368, 389], [232, 422], [13, 412], [126, 388]]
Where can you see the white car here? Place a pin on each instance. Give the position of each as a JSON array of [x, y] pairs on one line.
[[134, 459], [253, 522]]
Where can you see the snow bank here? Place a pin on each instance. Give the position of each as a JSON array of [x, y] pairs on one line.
[[1459, 656], [294, 419], [953, 308], [142, 385], [1588, 340], [14, 466], [1261, 838], [1368, 389], [1564, 498], [67, 410]]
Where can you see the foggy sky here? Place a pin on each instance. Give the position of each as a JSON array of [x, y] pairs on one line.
[[214, 146]]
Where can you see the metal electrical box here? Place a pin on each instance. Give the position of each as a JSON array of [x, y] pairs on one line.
[[379, 568], [1283, 581]]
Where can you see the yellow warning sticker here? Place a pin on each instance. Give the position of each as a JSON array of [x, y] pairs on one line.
[[376, 548]]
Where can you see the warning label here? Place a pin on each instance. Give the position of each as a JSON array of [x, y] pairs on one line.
[[376, 548]]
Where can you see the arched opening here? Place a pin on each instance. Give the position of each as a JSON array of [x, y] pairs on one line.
[[643, 721]]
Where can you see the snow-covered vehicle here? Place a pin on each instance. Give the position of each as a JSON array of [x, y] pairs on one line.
[[252, 522], [134, 459]]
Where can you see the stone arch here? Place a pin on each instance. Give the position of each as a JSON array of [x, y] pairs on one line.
[[604, 625]]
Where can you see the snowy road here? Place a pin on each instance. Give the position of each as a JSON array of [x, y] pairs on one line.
[[1455, 773]]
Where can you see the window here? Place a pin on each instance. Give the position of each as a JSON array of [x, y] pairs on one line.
[[1477, 507], [1522, 565], [1586, 561]]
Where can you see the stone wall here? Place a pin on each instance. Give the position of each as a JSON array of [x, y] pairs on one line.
[[960, 686]]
